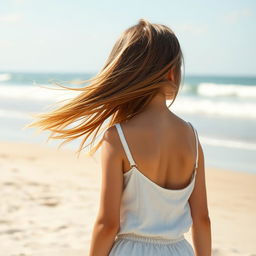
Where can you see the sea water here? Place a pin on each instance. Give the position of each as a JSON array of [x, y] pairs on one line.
[[221, 108]]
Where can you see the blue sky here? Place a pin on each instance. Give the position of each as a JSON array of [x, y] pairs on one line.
[[217, 37]]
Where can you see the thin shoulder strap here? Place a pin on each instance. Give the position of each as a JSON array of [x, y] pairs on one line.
[[196, 137], [125, 145]]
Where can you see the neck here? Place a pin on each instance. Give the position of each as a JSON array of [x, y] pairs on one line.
[[158, 104]]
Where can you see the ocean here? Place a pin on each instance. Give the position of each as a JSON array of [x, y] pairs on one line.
[[221, 108]]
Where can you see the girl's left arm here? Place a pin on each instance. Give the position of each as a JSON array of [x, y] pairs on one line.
[[108, 219]]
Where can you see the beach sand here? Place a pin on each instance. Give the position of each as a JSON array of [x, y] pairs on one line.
[[49, 201]]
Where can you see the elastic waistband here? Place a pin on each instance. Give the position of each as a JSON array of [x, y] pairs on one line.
[[148, 239]]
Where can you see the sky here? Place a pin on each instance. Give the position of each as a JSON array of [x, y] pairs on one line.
[[216, 37]]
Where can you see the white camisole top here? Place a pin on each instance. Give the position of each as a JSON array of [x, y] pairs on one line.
[[148, 209]]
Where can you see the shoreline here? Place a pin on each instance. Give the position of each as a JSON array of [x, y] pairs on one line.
[[50, 200]]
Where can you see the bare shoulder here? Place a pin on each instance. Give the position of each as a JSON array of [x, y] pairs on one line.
[[111, 138], [110, 134], [181, 122], [174, 117], [111, 143]]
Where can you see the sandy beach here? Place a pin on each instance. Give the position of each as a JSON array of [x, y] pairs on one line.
[[49, 201]]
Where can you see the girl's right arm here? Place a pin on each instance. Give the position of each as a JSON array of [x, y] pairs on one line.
[[201, 227]]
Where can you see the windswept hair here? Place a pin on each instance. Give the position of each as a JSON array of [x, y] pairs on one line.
[[132, 75]]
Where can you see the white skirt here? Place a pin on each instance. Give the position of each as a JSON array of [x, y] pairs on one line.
[[136, 245]]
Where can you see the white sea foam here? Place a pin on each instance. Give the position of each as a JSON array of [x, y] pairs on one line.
[[34, 93], [14, 114], [196, 105], [238, 108], [5, 77], [228, 143], [214, 90]]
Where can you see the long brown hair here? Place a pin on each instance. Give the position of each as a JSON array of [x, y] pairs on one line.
[[131, 76]]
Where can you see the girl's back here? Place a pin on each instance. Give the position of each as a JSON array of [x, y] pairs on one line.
[[163, 147]]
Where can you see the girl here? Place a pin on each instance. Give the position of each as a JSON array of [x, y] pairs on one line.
[[153, 177]]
